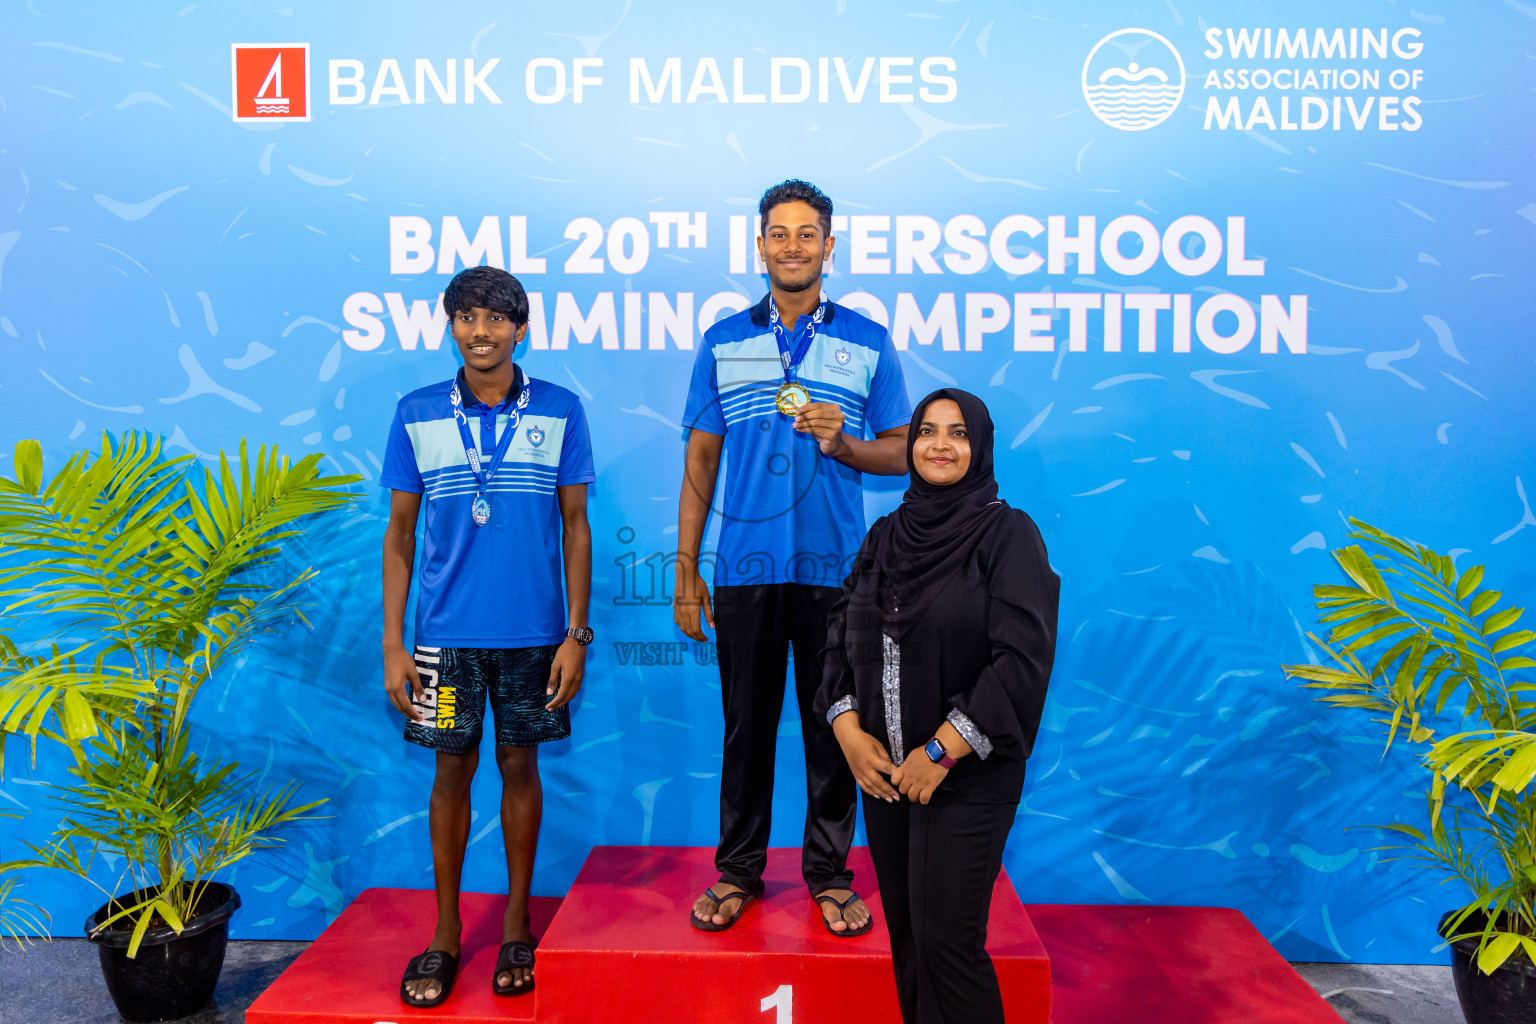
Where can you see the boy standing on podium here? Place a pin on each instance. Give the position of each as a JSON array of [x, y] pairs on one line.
[[803, 397], [503, 461]]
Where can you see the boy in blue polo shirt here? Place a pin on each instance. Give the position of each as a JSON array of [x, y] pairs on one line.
[[802, 396], [503, 461]]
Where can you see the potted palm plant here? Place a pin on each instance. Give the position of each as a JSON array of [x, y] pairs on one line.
[[158, 575], [1426, 648]]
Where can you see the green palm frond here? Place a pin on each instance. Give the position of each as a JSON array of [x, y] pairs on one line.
[[99, 538], [230, 526], [1495, 761], [34, 689], [21, 921]]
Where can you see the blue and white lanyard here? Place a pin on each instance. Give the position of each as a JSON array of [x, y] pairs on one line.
[[483, 476], [791, 360]]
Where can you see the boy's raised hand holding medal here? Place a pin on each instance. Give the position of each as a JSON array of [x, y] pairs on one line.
[[825, 421]]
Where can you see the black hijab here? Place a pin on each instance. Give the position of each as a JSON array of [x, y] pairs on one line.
[[935, 532]]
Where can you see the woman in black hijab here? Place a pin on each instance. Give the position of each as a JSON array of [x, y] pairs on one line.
[[934, 676]]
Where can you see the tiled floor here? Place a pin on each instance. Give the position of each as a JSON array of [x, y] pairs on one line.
[[60, 983]]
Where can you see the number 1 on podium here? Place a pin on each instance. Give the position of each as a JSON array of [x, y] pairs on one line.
[[783, 1000]]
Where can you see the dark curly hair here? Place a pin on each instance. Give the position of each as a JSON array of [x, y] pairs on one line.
[[796, 191], [487, 288]]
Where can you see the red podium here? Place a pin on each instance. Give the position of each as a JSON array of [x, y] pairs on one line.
[[619, 950], [351, 973]]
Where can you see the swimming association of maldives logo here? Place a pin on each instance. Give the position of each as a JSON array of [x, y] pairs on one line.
[[535, 436], [271, 81], [1133, 79]]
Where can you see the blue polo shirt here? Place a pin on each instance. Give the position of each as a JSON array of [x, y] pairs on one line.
[[789, 514], [497, 585]]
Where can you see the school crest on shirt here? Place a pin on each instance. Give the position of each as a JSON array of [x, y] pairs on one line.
[[535, 435], [837, 366]]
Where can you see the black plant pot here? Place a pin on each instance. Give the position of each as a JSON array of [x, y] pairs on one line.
[[173, 975], [1507, 996]]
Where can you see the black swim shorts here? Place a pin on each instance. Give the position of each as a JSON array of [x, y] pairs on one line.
[[456, 681]]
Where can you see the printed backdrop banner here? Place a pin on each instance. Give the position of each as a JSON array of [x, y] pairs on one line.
[[1226, 273]]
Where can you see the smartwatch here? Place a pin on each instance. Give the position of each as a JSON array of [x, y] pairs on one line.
[[937, 754], [581, 634]]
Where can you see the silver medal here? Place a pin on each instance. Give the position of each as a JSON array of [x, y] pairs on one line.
[[480, 511]]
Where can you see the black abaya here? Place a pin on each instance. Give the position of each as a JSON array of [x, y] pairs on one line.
[[979, 655]]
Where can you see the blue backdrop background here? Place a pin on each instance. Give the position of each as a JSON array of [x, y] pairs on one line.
[[165, 268]]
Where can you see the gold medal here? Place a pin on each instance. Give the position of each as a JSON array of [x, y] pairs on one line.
[[792, 395]]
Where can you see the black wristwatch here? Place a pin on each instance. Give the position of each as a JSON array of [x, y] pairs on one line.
[[581, 634]]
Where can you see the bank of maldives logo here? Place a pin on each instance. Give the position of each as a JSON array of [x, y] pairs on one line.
[[271, 81], [1133, 79]]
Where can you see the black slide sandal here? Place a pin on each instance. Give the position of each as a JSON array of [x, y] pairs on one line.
[[842, 906], [514, 955], [710, 926], [435, 964]]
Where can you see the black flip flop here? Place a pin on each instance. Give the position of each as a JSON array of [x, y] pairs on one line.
[[436, 965], [710, 926], [841, 906], [514, 955]]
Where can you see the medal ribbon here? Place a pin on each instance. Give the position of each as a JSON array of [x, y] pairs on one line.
[[471, 453], [791, 359]]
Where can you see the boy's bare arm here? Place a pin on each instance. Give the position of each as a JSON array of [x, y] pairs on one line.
[[570, 663], [701, 470], [401, 680]]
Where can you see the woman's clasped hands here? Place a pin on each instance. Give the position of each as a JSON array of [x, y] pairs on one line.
[[916, 779]]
